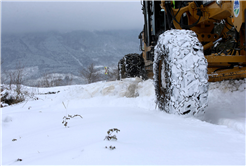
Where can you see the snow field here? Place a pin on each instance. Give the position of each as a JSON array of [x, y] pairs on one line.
[[147, 135]]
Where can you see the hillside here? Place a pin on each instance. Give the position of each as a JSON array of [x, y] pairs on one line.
[[56, 52]]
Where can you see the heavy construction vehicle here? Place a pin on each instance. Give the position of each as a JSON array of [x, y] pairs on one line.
[[184, 45]]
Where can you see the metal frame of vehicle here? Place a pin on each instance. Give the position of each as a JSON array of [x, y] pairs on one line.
[[219, 25]]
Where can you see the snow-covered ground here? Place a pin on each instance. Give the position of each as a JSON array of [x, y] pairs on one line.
[[33, 132]]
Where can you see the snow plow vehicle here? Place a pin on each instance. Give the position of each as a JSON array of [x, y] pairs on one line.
[[184, 45]]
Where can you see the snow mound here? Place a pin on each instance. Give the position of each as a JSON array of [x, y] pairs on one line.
[[129, 88], [226, 99], [229, 85], [226, 104]]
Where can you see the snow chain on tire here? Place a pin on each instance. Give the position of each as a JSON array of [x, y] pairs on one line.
[[180, 73], [132, 65]]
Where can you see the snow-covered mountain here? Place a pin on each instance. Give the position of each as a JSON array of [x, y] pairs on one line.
[[56, 52]]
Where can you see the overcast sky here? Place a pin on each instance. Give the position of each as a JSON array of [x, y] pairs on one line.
[[68, 16]]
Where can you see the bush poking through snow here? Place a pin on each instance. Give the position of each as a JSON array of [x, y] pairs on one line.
[[9, 98], [19, 159], [90, 74], [110, 137], [109, 132], [65, 118], [110, 147]]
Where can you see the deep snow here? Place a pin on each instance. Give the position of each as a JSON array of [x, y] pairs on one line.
[[147, 135]]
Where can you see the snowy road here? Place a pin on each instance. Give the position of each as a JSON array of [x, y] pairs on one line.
[[147, 136]]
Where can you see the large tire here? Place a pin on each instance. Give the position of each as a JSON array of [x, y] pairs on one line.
[[180, 73], [131, 65]]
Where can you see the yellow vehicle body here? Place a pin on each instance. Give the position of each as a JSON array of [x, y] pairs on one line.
[[184, 45], [228, 61]]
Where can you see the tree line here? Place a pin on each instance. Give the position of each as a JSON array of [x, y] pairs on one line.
[[89, 74], [12, 90]]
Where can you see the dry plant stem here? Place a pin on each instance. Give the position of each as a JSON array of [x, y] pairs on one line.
[[113, 137], [65, 118]]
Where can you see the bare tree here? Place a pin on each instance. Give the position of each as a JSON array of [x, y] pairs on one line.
[[56, 82], [16, 77], [11, 75], [44, 82], [51, 80], [113, 74], [68, 79], [19, 77], [1, 75], [90, 74]]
